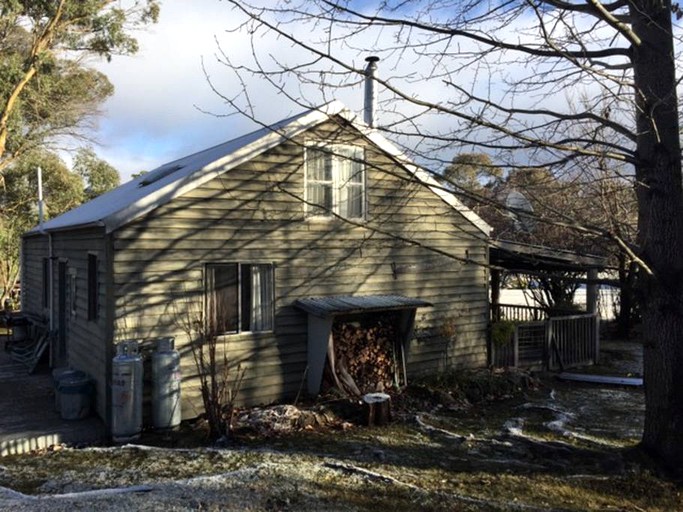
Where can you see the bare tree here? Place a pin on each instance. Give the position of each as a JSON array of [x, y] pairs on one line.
[[611, 202], [219, 381], [492, 77]]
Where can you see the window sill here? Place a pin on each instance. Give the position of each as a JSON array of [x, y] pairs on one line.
[[249, 335], [325, 219]]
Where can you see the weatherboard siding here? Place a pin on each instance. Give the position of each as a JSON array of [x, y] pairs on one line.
[[254, 213], [34, 249], [87, 340]]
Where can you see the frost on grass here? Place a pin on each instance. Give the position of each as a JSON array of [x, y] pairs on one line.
[[567, 450]]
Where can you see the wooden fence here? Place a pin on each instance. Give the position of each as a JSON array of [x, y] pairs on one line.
[[553, 344], [521, 313], [573, 341], [517, 313]]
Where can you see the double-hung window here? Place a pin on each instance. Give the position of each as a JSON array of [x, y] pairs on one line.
[[335, 181], [239, 297]]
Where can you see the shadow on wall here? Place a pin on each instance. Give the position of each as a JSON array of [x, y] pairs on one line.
[[256, 214]]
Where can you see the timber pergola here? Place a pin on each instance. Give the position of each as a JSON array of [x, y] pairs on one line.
[[521, 258]]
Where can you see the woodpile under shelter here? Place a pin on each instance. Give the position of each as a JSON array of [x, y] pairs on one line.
[[359, 337]]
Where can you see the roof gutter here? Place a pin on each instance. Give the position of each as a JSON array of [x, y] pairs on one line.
[[39, 230]]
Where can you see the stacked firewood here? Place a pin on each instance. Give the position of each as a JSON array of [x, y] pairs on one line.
[[364, 359]]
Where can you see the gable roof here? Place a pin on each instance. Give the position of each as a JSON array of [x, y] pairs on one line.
[[141, 195]]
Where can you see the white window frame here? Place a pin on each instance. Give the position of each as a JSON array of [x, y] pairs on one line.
[[335, 152], [268, 288]]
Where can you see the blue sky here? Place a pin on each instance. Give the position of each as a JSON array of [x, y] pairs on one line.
[[155, 114], [153, 117]]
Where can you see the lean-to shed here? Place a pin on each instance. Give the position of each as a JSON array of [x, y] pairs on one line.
[[316, 206]]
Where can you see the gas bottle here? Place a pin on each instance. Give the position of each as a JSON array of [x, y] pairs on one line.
[[166, 413], [126, 394]]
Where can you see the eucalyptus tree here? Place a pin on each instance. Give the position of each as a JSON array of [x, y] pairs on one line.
[[499, 77], [46, 90], [472, 171], [63, 190], [98, 175]]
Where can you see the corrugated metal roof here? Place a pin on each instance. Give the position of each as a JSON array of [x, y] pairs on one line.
[[520, 256], [145, 193], [157, 187], [350, 304]]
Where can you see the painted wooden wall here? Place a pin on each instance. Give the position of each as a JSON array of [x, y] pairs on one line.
[[254, 213], [88, 341]]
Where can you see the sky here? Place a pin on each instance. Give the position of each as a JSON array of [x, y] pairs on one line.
[[153, 116], [158, 110], [162, 105]]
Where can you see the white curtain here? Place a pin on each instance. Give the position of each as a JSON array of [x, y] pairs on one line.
[[350, 181], [261, 297]]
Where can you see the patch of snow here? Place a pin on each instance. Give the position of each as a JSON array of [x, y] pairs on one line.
[[514, 426], [558, 425]]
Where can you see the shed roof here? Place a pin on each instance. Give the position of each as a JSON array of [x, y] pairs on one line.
[[351, 304], [520, 257], [141, 195]]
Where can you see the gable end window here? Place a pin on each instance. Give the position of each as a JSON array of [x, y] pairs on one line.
[[239, 297], [93, 301], [335, 181]]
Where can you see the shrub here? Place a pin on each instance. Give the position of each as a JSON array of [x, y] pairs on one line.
[[502, 332]]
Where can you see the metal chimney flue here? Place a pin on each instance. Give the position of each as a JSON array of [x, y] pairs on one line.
[[41, 203], [370, 92]]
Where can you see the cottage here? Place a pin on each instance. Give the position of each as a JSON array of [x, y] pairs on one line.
[[259, 235]]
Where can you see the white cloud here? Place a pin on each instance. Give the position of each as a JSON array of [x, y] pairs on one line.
[[152, 116]]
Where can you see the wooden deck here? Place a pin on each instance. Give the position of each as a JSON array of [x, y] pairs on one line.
[[28, 419]]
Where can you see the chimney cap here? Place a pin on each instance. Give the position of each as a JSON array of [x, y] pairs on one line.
[[371, 58]]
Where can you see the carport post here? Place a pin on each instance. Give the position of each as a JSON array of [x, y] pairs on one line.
[[592, 291]]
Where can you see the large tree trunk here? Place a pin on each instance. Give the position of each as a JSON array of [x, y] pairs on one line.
[[660, 229], [625, 316]]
